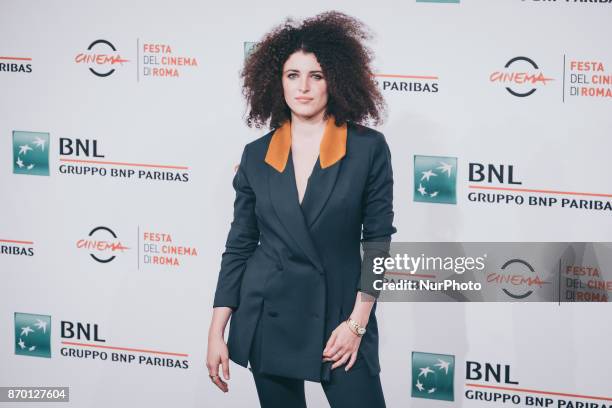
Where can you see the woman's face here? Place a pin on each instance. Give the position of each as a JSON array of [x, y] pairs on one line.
[[304, 85]]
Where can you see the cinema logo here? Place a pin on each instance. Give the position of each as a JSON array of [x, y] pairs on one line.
[[425, 84], [101, 57], [162, 61], [161, 248], [517, 279], [21, 65], [585, 284], [588, 79], [16, 247], [521, 77], [102, 244], [84, 340], [84, 157]]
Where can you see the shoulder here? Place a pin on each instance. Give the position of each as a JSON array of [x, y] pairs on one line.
[[253, 156], [257, 148], [365, 135], [366, 139], [363, 131]]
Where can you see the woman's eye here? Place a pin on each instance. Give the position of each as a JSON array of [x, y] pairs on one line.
[[292, 75], [317, 77]]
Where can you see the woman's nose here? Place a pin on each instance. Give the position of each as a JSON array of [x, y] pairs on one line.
[[304, 86]]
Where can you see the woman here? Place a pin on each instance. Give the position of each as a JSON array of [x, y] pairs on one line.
[[291, 273]]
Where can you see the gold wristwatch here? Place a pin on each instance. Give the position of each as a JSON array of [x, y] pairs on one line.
[[355, 327]]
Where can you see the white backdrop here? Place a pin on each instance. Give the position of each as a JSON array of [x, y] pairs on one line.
[[557, 143]]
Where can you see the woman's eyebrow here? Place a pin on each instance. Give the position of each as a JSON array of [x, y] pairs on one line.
[[297, 70]]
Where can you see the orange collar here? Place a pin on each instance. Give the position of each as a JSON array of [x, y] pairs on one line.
[[332, 149]]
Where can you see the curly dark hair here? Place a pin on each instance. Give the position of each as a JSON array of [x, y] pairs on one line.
[[336, 40]]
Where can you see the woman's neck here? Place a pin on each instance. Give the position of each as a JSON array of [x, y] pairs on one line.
[[308, 128]]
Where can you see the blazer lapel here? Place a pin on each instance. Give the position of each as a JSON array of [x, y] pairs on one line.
[[283, 190], [323, 177], [320, 186], [284, 198]]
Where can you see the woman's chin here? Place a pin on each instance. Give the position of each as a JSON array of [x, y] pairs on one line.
[[307, 114]]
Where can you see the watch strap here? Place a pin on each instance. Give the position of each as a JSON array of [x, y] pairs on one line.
[[355, 327]]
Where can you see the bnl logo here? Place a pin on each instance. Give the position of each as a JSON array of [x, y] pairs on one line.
[[31, 153], [32, 335], [433, 375], [435, 179]]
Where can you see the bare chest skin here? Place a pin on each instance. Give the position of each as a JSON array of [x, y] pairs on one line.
[[305, 153]]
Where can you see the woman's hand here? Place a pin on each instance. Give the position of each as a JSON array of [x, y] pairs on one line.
[[217, 355], [342, 346], [343, 343]]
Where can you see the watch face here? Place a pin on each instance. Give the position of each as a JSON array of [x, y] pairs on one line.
[[361, 330]]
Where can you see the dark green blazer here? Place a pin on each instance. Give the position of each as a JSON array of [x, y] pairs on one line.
[[298, 267]]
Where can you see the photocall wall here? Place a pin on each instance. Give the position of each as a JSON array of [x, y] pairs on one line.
[[120, 128]]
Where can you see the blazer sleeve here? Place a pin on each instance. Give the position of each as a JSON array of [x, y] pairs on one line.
[[377, 214], [242, 240]]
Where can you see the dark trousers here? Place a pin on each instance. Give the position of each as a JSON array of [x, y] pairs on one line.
[[353, 389]]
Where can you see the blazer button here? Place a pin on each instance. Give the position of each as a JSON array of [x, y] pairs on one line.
[[272, 314], [315, 315]]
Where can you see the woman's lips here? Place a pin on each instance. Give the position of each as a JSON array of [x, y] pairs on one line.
[[303, 100]]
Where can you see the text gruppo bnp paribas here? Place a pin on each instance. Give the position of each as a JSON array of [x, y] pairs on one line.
[[83, 157]]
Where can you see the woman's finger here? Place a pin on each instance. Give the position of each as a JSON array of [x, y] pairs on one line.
[[220, 383], [351, 361], [225, 365], [330, 343], [332, 351], [213, 373], [213, 369], [343, 360]]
